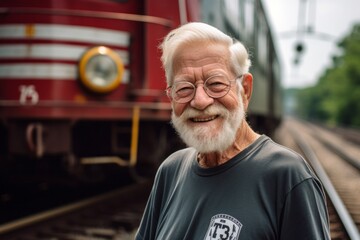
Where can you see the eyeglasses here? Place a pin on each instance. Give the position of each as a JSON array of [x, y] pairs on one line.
[[215, 86]]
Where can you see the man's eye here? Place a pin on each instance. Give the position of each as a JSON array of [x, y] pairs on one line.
[[184, 91], [216, 86]]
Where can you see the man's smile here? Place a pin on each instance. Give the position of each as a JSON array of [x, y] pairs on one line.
[[204, 119]]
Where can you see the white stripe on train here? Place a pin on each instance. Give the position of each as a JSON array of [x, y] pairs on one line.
[[49, 52], [66, 33], [43, 71]]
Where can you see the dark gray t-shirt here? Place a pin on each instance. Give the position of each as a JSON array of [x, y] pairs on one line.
[[265, 192]]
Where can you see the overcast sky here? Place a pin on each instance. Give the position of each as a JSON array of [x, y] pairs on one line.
[[333, 18]]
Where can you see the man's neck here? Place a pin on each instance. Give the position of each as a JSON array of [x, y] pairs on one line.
[[244, 137]]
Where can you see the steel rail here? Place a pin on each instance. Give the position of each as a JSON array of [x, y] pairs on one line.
[[122, 194], [352, 160], [339, 206]]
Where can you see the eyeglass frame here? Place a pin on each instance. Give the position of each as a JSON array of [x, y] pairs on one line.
[[168, 90]]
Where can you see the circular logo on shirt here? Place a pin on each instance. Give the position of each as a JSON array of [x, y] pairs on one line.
[[223, 227]]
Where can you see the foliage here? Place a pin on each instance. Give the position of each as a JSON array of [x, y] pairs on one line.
[[335, 99]]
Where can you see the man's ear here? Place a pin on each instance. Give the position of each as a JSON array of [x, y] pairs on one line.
[[247, 84]]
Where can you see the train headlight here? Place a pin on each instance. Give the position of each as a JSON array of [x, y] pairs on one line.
[[101, 69]]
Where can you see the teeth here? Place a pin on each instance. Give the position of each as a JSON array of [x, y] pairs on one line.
[[204, 119]]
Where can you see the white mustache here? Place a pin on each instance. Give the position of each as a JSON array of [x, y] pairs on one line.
[[211, 110]]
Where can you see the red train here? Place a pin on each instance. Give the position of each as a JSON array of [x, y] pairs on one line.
[[82, 79]]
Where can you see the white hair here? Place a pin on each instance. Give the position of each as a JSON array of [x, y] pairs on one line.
[[197, 31]]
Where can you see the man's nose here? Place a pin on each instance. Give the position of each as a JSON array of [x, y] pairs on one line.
[[201, 99]]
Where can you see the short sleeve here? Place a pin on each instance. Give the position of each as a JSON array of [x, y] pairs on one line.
[[304, 214]]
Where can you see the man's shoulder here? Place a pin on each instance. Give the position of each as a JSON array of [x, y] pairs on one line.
[[175, 166], [272, 150], [282, 161], [179, 158]]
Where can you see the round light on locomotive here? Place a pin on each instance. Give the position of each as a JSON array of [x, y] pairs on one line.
[[101, 69]]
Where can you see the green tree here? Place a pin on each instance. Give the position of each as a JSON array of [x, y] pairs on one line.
[[335, 99]]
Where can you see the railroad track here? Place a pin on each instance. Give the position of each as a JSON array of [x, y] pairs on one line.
[[116, 215], [336, 162], [111, 216]]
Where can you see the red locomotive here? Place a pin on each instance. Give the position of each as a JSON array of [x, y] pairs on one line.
[[82, 79]]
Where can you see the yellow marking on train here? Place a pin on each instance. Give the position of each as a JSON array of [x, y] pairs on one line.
[[135, 136], [30, 30], [133, 148], [105, 160], [79, 98]]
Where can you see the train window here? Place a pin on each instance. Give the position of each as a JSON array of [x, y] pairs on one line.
[[242, 17], [249, 16], [276, 69], [232, 14], [210, 13], [262, 42]]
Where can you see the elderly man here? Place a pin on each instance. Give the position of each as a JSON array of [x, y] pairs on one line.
[[231, 183]]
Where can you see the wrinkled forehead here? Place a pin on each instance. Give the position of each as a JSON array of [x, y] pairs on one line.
[[200, 53]]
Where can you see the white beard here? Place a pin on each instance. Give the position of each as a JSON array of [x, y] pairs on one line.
[[207, 139]]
